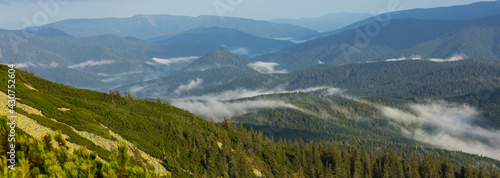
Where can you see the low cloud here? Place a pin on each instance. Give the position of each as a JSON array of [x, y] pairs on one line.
[[246, 93], [417, 57], [284, 39], [266, 67], [213, 106], [51, 65], [175, 60], [193, 84], [456, 57], [24, 65], [91, 63], [136, 88], [446, 125], [242, 51], [217, 110], [118, 76]]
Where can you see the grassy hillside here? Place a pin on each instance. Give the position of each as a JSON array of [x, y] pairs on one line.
[[50, 157]]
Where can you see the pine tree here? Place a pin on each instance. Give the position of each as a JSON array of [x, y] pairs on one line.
[[494, 173], [411, 165]]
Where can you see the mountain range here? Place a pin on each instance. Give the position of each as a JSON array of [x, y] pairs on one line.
[[325, 23], [474, 11], [106, 61], [405, 38], [241, 43], [221, 72], [152, 26]]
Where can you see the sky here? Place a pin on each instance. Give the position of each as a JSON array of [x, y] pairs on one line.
[[17, 14]]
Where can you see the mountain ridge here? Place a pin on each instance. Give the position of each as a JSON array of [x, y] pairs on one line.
[[151, 26]]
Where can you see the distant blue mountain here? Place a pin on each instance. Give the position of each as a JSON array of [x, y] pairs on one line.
[[476, 39], [472, 11], [328, 22], [151, 26], [239, 42]]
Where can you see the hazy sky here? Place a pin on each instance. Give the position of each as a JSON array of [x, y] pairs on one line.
[[13, 13]]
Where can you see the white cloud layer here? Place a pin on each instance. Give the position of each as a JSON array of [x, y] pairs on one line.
[[217, 110], [91, 63], [455, 57], [193, 84], [242, 51], [119, 76], [417, 57], [246, 93], [451, 127], [211, 106], [266, 67], [175, 60], [24, 65]]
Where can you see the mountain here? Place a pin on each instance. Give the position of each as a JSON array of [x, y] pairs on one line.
[[98, 62], [474, 11], [402, 79], [240, 42], [336, 118], [152, 26], [428, 39], [479, 40], [219, 70], [216, 59], [173, 141], [50, 32], [487, 100], [325, 23]]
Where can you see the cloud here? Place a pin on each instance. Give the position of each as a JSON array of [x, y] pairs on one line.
[[242, 51], [246, 93], [193, 84], [50, 65], [118, 76], [24, 65], [446, 125], [213, 107], [329, 91], [284, 38], [175, 60], [136, 88], [416, 57], [456, 57], [217, 110], [265, 67], [91, 63]]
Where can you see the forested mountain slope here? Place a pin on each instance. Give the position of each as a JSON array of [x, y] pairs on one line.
[[188, 146]]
